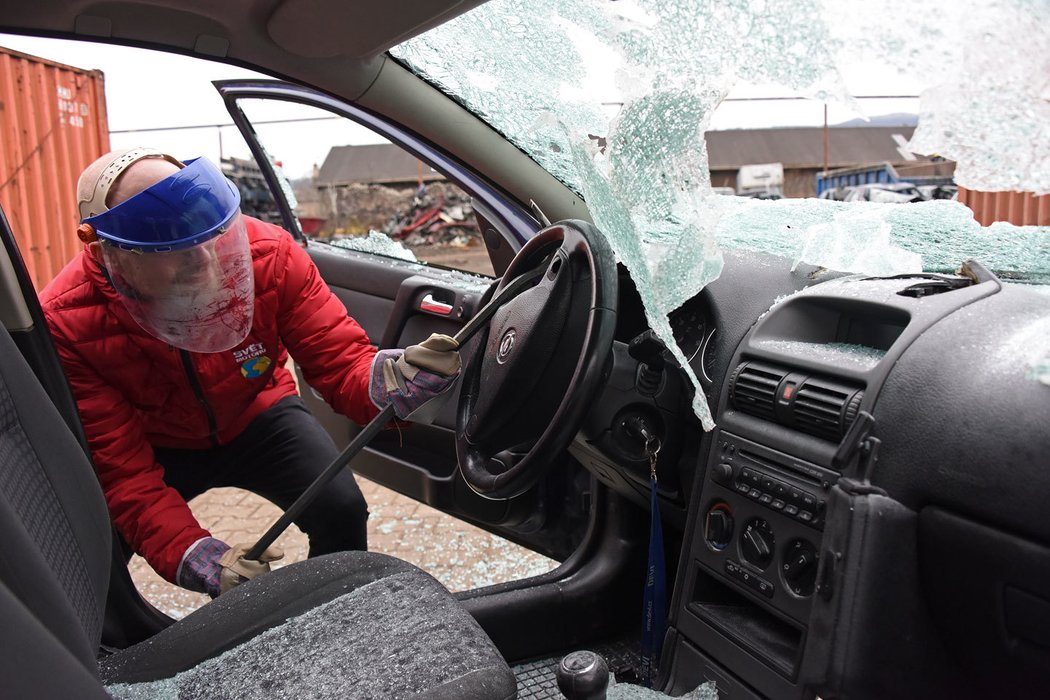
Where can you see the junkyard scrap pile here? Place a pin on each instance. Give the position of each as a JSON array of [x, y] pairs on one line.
[[439, 214], [433, 214]]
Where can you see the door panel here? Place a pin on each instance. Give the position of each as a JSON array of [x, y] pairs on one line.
[[398, 303]]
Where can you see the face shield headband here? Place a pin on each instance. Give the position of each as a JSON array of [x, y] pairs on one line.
[[181, 211]]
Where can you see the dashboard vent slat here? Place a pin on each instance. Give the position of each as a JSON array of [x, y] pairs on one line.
[[753, 389], [819, 406]]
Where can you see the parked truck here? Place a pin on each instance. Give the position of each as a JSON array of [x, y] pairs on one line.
[[761, 180]]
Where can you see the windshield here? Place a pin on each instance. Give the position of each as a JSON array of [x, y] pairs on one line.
[[616, 99]]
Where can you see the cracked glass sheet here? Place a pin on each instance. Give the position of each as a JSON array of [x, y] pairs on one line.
[[547, 83], [641, 168], [883, 239], [378, 244], [987, 67]]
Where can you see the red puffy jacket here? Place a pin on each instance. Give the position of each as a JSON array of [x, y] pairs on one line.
[[134, 391]]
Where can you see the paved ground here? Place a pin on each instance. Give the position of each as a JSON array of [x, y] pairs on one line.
[[459, 555]]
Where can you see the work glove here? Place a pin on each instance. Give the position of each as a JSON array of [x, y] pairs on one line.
[[409, 378], [211, 566]]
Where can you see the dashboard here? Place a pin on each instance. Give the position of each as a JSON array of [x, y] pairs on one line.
[[869, 437]]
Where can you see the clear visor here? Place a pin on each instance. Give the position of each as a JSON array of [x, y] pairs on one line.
[[199, 299]]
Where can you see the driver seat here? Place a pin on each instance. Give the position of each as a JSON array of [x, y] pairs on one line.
[[353, 624]]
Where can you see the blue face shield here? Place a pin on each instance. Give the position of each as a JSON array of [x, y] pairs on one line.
[[178, 254]]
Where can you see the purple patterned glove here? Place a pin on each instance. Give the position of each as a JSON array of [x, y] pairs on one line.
[[199, 569], [409, 378], [211, 566]]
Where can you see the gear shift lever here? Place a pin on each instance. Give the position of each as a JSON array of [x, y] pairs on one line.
[[583, 675]]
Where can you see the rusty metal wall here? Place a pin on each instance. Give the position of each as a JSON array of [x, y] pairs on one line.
[[52, 124], [1020, 208]]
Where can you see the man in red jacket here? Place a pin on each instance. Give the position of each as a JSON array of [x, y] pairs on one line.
[[174, 325]]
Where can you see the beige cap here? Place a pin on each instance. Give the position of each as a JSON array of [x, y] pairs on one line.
[[97, 179]]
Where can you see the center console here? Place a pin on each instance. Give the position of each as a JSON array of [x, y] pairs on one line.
[[807, 373]]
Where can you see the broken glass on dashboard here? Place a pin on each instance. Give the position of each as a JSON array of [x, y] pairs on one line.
[[614, 99]]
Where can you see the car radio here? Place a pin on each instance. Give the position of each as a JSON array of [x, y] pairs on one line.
[[762, 521]]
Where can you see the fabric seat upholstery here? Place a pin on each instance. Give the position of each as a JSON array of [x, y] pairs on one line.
[[353, 624]]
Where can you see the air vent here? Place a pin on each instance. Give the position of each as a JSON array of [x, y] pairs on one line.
[[815, 405], [821, 408], [753, 389]]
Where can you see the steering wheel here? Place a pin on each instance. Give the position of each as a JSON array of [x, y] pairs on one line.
[[540, 363]]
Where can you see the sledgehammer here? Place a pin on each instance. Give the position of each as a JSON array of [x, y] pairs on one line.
[[385, 416]]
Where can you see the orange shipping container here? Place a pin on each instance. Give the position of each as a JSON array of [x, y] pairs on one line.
[[52, 125], [1019, 208]]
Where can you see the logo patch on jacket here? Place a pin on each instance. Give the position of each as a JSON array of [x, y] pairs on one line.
[[255, 367], [253, 360]]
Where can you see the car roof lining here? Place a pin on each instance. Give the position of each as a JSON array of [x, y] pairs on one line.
[[366, 28], [228, 32]]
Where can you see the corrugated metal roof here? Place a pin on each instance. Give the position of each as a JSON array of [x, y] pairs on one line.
[[378, 163], [803, 147]]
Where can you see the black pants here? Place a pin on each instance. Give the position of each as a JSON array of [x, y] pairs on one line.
[[278, 456]]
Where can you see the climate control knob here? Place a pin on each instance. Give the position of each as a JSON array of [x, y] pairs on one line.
[[799, 567], [757, 543], [718, 525]]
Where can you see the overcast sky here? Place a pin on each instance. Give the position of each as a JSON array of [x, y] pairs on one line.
[[147, 90]]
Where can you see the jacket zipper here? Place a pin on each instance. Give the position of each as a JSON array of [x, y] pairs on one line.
[[187, 364]]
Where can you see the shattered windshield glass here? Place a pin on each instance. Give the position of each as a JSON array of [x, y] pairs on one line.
[[614, 99]]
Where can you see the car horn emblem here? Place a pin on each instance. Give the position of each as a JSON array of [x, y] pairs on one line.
[[506, 344]]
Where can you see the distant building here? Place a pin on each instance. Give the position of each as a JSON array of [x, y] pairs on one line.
[[800, 150], [377, 164]]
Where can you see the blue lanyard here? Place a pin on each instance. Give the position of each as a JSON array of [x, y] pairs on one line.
[[654, 600]]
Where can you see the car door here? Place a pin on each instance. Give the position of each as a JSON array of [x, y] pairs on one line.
[[399, 301]]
